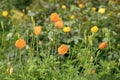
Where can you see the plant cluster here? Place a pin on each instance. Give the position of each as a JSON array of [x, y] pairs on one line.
[[60, 40]]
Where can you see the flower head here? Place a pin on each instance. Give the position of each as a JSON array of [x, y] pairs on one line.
[[5, 13], [59, 24], [54, 17], [20, 43], [94, 29], [101, 10], [11, 71], [67, 29], [72, 16], [22, 14], [93, 8], [63, 7], [118, 14], [37, 30], [81, 6], [102, 45], [63, 49]]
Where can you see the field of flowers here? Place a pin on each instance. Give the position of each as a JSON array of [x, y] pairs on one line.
[[59, 39]]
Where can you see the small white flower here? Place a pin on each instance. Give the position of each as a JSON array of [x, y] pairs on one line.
[[11, 70], [9, 36]]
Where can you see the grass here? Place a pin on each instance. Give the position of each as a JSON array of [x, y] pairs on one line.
[[40, 58]]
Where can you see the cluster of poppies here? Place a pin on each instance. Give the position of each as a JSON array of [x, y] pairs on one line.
[[63, 49], [55, 18]]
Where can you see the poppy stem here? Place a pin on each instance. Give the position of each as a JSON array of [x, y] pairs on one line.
[[95, 56], [20, 57], [96, 53], [20, 61], [37, 45], [33, 21]]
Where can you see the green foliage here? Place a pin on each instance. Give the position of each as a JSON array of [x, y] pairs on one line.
[[40, 60]]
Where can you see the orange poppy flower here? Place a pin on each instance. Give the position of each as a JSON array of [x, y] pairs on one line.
[[59, 24], [63, 49], [37, 30], [54, 17], [102, 45], [20, 43]]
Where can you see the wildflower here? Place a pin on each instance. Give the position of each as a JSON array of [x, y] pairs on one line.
[[63, 49], [51, 39], [101, 10], [20, 43], [63, 7], [5, 13], [54, 17], [94, 29], [59, 24], [102, 45], [118, 14], [93, 71], [81, 6], [22, 14], [66, 29], [93, 8], [72, 17], [11, 71], [37, 30]]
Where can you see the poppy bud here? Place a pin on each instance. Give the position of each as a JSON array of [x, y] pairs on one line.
[[93, 71], [102, 45]]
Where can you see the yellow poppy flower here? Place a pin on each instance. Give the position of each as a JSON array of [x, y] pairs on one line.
[[101, 10], [72, 16], [63, 7], [22, 14], [81, 6], [94, 29], [5, 13], [67, 29], [93, 8]]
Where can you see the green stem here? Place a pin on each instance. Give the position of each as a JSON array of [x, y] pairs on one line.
[[21, 65], [20, 57], [33, 21], [37, 45], [2, 25], [96, 56]]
